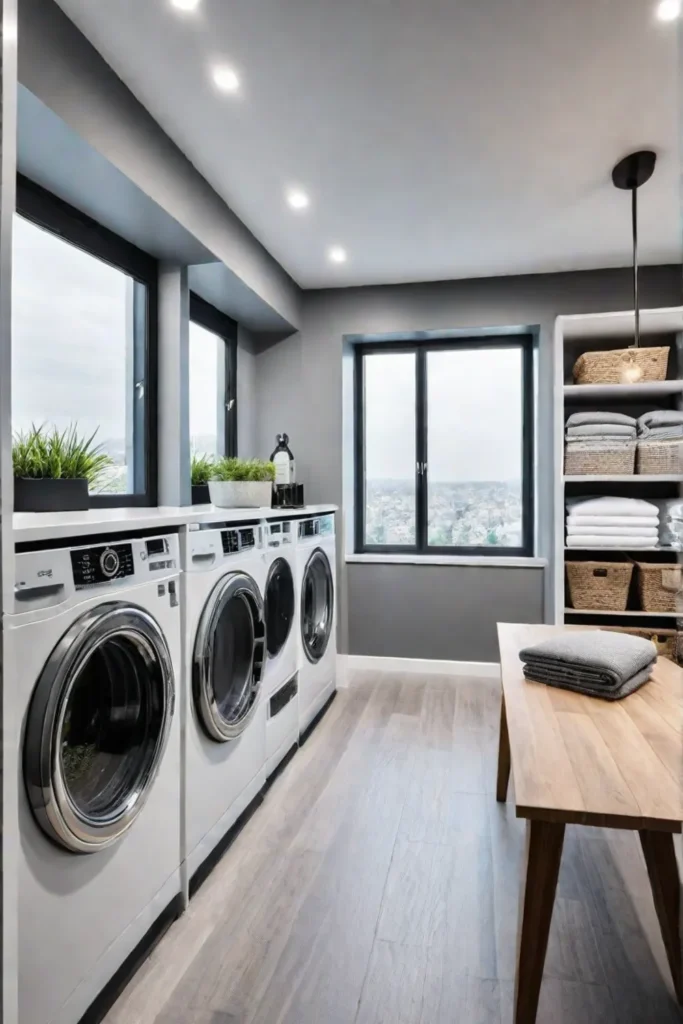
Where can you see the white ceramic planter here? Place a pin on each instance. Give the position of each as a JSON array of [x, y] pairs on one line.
[[241, 493]]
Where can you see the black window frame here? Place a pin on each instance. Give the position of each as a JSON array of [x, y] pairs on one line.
[[42, 208], [212, 319], [421, 548]]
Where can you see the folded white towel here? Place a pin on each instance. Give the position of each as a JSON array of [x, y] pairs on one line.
[[596, 541], [596, 430], [611, 507], [648, 532], [578, 520]]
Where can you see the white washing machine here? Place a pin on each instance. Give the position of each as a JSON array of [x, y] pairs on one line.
[[316, 586], [93, 649], [281, 684], [224, 715]]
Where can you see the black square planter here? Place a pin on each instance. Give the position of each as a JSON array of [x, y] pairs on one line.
[[45, 495], [200, 494]]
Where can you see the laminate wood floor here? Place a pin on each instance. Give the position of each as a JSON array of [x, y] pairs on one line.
[[379, 883]]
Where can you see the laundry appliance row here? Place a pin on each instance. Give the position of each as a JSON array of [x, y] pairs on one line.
[[160, 682]]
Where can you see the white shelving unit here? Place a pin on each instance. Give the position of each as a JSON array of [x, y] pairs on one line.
[[573, 336]]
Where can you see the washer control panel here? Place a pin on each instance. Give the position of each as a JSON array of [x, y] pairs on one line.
[[235, 540], [101, 564]]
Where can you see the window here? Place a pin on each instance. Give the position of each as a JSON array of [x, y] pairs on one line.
[[84, 339], [213, 365], [444, 447]]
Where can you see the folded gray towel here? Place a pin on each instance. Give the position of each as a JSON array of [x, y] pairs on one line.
[[579, 419], [609, 658], [602, 430], [661, 433], [564, 682], [661, 418]]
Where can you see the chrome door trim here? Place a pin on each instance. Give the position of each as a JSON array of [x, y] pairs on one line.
[[241, 585], [317, 555], [44, 778], [271, 571]]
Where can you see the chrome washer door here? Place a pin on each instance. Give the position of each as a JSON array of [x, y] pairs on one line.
[[317, 605], [228, 657], [279, 605], [97, 726]]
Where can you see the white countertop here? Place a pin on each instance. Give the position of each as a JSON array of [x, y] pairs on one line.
[[37, 527]]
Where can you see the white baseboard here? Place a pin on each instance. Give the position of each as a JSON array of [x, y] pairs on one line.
[[424, 666]]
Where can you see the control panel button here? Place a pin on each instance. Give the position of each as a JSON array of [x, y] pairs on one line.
[[109, 563]]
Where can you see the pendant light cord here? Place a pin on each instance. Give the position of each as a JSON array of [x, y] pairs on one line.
[[634, 222]]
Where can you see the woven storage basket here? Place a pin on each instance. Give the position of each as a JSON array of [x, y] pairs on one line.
[[660, 457], [599, 586], [660, 587], [622, 366], [667, 641], [600, 459]]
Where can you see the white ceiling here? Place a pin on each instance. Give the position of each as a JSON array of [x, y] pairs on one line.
[[437, 138]]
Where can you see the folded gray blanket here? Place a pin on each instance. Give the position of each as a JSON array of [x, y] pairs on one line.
[[661, 418], [601, 430], [661, 433], [596, 662], [579, 419], [565, 682]]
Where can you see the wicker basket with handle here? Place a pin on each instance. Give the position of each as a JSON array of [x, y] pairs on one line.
[[667, 641], [599, 586], [601, 460], [622, 366], [660, 457], [660, 587]]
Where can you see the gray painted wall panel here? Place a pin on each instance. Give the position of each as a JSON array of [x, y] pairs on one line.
[[300, 390], [437, 611]]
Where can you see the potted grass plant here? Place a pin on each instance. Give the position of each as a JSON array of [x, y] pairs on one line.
[[200, 471], [53, 469], [242, 483]]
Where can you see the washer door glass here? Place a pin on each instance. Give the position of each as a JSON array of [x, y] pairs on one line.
[[229, 654], [279, 605], [97, 727], [317, 605]]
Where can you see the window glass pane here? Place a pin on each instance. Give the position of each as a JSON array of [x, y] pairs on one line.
[[73, 347], [207, 358], [474, 423], [390, 448]]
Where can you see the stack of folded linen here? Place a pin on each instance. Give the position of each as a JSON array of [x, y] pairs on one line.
[[612, 523], [589, 429], [597, 663], [661, 425]]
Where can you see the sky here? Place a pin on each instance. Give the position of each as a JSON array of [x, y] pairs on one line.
[[474, 418], [70, 320]]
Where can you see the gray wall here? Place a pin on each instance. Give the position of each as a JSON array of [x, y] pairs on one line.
[[60, 67], [247, 410], [299, 387]]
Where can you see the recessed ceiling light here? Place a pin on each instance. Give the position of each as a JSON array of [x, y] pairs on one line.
[[336, 254], [225, 78], [297, 199], [669, 10], [186, 5]]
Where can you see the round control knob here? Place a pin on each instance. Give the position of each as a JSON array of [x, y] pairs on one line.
[[109, 563]]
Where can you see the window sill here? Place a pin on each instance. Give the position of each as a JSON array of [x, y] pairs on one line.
[[483, 561]]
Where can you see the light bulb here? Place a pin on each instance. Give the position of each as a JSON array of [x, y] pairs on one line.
[[669, 10]]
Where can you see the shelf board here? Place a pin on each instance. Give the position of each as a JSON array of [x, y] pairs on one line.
[[622, 392], [628, 614], [629, 548], [626, 478]]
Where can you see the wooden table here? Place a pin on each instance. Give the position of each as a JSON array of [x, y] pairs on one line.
[[583, 761]]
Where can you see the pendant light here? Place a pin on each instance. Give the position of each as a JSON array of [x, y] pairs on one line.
[[629, 174]]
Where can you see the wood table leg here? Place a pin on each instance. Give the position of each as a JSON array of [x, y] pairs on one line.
[[662, 868], [503, 757], [543, 856]]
